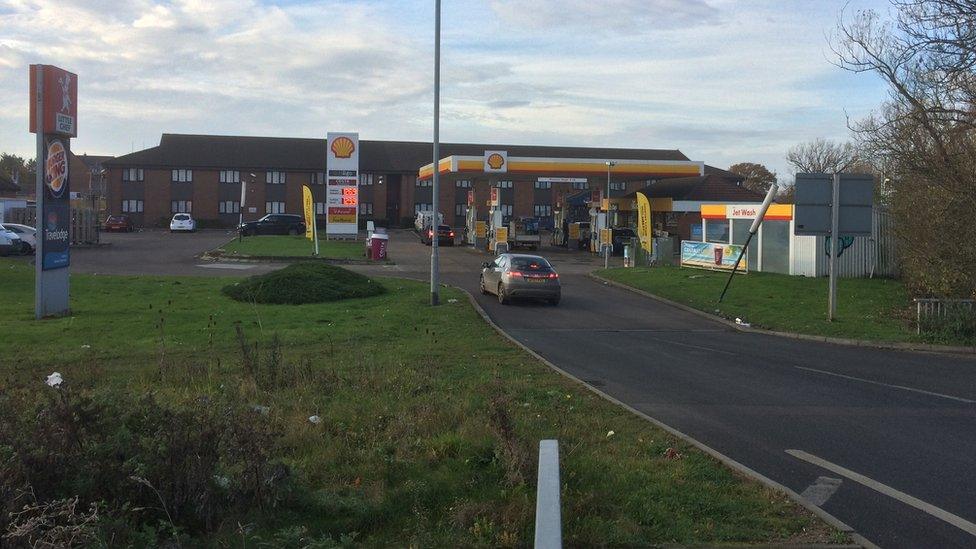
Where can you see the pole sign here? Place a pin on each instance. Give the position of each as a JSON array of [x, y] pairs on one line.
[[814, 196], [54, 119], [342, 185]]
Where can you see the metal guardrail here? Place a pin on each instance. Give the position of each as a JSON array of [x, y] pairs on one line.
[[926, 308], [548, 514]]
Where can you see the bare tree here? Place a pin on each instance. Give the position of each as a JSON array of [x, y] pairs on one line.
[[822, 156], [925, 133]]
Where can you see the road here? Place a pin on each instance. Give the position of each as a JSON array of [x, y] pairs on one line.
[[886, 440], [903, 420]]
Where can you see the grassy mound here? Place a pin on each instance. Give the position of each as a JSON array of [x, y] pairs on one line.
[[304, 283]]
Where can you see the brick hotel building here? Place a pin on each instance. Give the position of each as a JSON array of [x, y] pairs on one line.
[[202, 174]]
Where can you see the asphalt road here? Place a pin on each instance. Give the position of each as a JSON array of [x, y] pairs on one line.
[[903, 420], [882, 427]]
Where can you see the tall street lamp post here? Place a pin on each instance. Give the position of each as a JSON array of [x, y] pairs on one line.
[[606, 218], [435, 222]]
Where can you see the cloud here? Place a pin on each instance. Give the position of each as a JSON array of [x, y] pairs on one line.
[[603, 17]]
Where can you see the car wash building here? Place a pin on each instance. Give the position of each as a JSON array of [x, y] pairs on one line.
[[203, 175]]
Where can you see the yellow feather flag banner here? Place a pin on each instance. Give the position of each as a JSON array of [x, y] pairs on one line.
[[644, 222], [309, 212]]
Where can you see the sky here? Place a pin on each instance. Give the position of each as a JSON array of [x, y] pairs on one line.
[[724, 81]]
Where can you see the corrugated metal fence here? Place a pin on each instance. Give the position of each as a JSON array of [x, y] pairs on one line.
[[84, 223], [875, 255]]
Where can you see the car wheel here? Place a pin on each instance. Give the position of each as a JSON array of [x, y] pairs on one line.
[[484, 291], [502, 298], [293, 231]]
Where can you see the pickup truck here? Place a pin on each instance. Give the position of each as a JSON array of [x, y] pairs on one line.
[[523, 232]]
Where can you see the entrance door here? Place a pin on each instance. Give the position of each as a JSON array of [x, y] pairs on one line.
[[393, 214]]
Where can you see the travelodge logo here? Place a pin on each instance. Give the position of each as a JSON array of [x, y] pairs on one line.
[[343, 147], [56, 168]]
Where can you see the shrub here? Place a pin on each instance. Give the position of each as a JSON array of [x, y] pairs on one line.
[[309, 282]]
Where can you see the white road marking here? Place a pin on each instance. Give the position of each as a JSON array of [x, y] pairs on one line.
[[901, 387], [235, 266], [820, 491], [940, 514]]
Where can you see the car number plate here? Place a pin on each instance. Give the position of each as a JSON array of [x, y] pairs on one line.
[[536, 279]]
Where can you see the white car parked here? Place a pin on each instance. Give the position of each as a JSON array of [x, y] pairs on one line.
[[26, 233], [10, 242], [182, 222]]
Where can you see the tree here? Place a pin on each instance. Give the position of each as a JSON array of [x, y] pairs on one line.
[[925, 133], [758, 177], [822, 156]]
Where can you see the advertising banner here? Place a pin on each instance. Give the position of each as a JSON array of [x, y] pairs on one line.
[[309, 206], [708, 255], [480, 229], [342, 184], [55, 219], [493, 200], [644, 222]]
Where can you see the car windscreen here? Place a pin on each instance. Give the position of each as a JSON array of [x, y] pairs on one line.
[[530, 264], [443, 227], [181, 217]]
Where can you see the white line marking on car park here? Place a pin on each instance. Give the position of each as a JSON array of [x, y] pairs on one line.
[[820, 491], [235, 266], [940, 514], [900, 387]]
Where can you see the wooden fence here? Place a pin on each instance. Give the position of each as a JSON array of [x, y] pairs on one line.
[[84, 223]]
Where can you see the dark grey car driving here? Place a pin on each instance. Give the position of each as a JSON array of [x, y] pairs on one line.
[[520, 276]]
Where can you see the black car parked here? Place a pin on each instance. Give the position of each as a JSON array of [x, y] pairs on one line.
[[445, 236], [274, 224]]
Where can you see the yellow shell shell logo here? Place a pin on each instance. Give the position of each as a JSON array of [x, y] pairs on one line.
[[343, 147], [496, 161]]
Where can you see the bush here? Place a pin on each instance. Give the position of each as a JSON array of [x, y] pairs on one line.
[[310, 282]]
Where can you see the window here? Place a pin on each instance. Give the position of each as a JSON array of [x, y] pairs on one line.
[[580, 185], [320, 208], [182, 176], [618, 186], [228, 207], [460, 209], [366, 208], [717, 230], [274, 178], [181, 206], [318, 178], [132, 206], [421, 207], [365, 179], [543, 210], [463, 183], [506, 209], [543, 184], [274, 207], [424, 182], [503, 184], [230, 176], [132, 174]]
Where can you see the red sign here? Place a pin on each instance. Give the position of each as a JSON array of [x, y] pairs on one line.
[[60, 95], [471, 197]]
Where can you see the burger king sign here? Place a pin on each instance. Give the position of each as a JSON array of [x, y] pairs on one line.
[[56, 168]]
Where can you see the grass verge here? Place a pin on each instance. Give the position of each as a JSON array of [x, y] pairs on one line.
[[868, 309], [292, 246], [302, 283], [426, 435]]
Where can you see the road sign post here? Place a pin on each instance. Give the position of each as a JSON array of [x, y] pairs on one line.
[[833, 205]]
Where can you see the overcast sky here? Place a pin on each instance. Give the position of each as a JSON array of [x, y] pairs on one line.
[[725, 81]]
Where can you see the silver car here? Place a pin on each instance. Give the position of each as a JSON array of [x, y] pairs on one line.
[[518, 275]]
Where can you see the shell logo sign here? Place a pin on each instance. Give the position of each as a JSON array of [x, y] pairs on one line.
[[56, 168], [343, 147], [496, 161]]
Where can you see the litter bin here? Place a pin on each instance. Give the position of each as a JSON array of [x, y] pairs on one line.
[[377, 246]]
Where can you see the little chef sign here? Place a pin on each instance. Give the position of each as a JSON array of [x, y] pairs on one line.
[[60, 95]]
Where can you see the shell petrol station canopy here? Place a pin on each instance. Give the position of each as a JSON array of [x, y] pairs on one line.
[[498, 162]]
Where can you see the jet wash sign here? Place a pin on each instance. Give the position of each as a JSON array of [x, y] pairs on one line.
[[342, 185]]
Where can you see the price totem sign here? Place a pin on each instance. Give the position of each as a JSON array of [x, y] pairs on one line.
[[342, 185], [54, 118]]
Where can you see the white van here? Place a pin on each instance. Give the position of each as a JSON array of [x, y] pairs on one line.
[[10, 242]]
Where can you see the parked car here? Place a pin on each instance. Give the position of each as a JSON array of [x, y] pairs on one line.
[[26, 233], [118, 223], [621, 236], [274, 224], [182, 222], [516, 275], [445, 236], [10, 243]]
